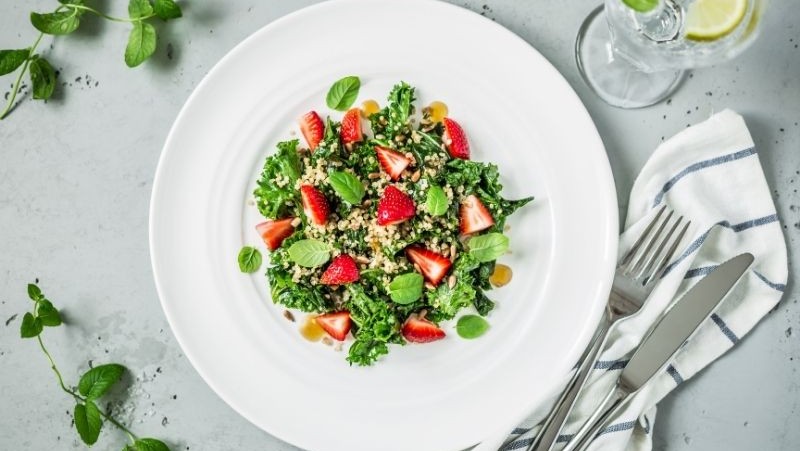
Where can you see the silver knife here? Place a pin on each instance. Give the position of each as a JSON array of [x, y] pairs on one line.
[[676, 326]]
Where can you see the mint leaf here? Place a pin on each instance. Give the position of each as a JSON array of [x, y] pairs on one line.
[[95, 382], [347, 186], [166, 9], [71, 2], [147, 444], [47, 314], [471, 326], [87, 421], [30, 327], [43, 78], [406, 288], [309, 253], [436, 201], [139, 8], [141, 43], [343, 93], [641, 6], [10, 60], [34, 292], [486, 248], [63, 22], [249, 259]]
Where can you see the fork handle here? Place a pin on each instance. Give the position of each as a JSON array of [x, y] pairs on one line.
[[546, 438]]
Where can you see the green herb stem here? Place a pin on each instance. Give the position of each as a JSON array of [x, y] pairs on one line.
[[24, 69], [107, 17]]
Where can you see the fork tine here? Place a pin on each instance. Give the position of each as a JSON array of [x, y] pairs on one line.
[[656, 257], [637, 263], [662, 265], [629, 255]]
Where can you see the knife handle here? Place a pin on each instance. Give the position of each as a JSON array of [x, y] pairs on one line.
[[588, 432], [546, 438]]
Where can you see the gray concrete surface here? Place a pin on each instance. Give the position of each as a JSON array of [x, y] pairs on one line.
[[75, 180]]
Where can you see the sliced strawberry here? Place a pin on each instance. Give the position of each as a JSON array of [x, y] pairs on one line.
[[474, 216], [313, 129], [394, 207], [392, 161], [418, 330], [274, 232], [314, 204], [337, 324], [342, 270], [434, 266], [455, 139], [351, 126]]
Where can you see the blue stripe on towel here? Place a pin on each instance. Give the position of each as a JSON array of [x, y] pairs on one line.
[[675, 374], [775, 286], [618, 427], [698, 166], [610, 365], [724, 328]]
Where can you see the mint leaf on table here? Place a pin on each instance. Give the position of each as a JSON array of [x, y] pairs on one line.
[[309, 253], [406, 288], [347, 186], [147, 444], [47, 314], [138, 9], [471, 326], [87, 421], [343, 93], [249, 259], [34, 292], [95, 382], [141, 44], [485, 248], [30, 327], [10, 60], [166, 9], [436, 201], [43, 78], [62, 22]]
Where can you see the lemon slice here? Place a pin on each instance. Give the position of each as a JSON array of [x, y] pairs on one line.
[[708, 20]]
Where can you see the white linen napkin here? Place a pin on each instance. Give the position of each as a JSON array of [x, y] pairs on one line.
[[710, 173]]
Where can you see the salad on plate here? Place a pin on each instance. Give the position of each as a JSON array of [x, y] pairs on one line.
[[386, 231]]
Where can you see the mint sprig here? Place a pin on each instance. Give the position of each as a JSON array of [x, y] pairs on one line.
[[65, 19], [93, 384]]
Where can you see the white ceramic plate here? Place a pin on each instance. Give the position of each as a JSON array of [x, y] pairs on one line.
[[518, 112]]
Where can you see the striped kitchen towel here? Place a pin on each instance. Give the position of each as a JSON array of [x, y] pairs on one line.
[[711, 174]]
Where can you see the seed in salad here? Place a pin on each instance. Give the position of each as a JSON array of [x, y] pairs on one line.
[[501, 275], [310, 330]]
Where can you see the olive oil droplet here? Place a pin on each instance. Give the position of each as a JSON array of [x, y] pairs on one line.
[[310, 330], [369, 107], [501, 275]]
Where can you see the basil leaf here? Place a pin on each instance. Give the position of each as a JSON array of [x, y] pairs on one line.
[[34, 292], [309, 253], [95, 382], [30, 327], [471, 326], [87, 421], [139, 8], [249, 259], [406, 288], [63, 22], [343, 93], [166, 9], [641, 6], [43, 78], [148, 444], [486, 248], [436, 201], [141, 44], [10, 60], [48, 314], [347, 186]]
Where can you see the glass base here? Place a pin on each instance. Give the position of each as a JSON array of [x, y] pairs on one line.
[[617, 81]]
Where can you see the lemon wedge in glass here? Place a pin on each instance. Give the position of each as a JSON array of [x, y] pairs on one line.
[[709, 20]]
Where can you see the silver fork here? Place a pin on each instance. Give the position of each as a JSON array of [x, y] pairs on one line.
[[634, 280]]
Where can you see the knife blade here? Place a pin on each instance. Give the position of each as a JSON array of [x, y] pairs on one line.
[[676, 326]]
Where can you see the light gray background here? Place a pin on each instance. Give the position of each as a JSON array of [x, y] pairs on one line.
[[75, 181]]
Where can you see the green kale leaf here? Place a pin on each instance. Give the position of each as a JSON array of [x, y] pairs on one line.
[[305, 297], [376, 326], [272, 200]]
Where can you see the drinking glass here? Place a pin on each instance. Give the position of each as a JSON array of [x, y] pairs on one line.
[[633, 59]]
